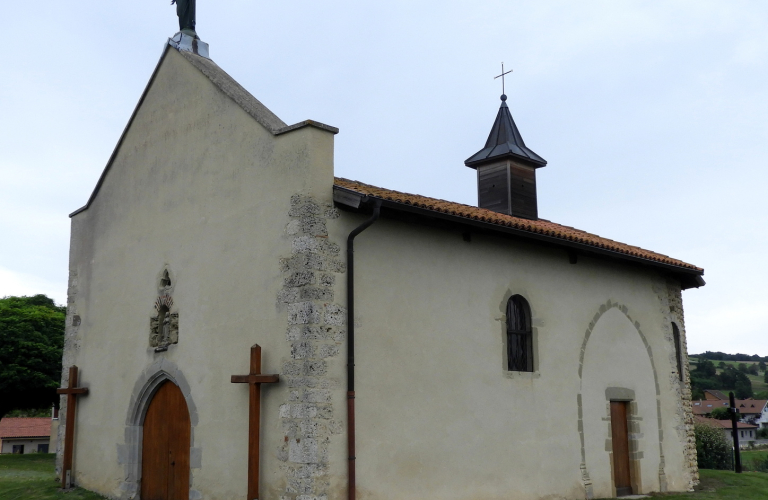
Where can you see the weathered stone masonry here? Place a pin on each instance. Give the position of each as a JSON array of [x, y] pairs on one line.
[[72, 341], [316, 332], [675, 304]]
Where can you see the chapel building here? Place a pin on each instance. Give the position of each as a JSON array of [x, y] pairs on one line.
[[466, 352]]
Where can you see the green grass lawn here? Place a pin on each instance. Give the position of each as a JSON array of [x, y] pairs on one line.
[[720, 484], [755, 460], [31, 477]]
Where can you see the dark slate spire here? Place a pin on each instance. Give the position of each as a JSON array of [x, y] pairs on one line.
[[505, 141]]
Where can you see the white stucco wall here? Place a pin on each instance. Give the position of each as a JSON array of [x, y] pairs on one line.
[[438, 414], [30, 445], [745, 436], [201, 187]]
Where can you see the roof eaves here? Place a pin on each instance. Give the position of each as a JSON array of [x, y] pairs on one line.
[[31, 436], [695, 274]]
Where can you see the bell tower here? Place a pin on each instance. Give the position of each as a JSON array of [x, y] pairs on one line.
[[506, 169]]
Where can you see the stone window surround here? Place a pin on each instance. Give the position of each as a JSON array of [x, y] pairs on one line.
[[129, 453], [534, 339], [634, 425]]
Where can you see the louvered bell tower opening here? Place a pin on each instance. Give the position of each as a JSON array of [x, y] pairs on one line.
[[506, 169]]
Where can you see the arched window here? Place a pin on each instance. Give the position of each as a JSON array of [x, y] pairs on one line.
[[519, 335], [678, 350]]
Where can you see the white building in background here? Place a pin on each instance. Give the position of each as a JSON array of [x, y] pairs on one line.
[[25, 435]]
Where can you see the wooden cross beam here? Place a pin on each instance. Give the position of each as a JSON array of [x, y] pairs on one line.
[[72, 391], [254, 381]]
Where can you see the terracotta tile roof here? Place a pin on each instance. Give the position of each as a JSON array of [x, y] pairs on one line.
[[25, 427], [541, 226], [745, 406], [714, 394], [725, 424]]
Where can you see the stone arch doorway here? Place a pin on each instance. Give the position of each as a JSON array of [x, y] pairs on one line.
[[165, 446], [129, 454], [616, 365]]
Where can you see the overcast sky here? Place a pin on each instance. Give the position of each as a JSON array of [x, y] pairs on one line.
[[653, 116]]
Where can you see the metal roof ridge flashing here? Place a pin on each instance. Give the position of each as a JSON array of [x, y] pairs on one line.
[[306, 123], [183, 41]]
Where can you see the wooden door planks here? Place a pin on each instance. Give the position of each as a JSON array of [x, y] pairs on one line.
[[620, 439], [165, 449]]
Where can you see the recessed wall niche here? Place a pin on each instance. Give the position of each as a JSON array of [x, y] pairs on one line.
[[164, 324], [166, 282]]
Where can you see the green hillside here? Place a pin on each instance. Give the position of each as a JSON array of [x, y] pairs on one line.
[[759, 387]]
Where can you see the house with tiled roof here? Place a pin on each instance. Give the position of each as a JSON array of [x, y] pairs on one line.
[[753, 411], [25, 435], [713, 394], [405, 339], [747, 431]]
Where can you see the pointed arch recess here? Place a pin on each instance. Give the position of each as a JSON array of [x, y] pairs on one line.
[[625, 311], [129, 453]]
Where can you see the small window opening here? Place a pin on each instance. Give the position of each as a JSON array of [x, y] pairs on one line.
[[678, 351], [519, 335]]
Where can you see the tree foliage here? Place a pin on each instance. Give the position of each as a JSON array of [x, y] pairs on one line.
[[31, 343], [705, 376], [706, 368], [721, 356], [712, 449], [720, 414]]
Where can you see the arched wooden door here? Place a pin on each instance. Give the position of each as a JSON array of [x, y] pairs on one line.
[[165, 446]]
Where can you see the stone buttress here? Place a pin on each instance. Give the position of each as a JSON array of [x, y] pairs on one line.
[[316, 333]]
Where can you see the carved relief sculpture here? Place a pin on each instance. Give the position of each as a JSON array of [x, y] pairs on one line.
[[165, 338], [164, 326]]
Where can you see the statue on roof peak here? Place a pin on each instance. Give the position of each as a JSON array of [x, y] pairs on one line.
[[185, 9]]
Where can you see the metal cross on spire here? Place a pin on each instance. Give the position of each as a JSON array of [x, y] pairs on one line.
[[503, 90]]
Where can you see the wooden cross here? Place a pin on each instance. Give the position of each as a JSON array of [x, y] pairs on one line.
[[735, 433], [254, 381], [69, 430], [502, 77]]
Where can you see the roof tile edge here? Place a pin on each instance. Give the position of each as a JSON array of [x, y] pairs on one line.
[[541, 227]]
